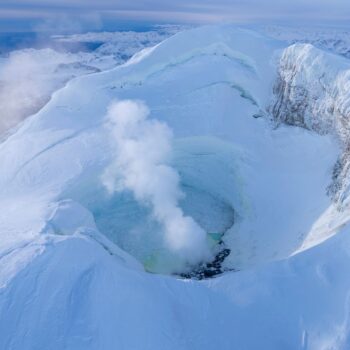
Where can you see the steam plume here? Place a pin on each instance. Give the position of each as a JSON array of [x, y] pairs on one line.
[[143, 147]]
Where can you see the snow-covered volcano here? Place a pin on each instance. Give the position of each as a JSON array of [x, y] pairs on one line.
[[216, 139]]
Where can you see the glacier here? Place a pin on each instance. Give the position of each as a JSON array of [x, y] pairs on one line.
[[256, 146]]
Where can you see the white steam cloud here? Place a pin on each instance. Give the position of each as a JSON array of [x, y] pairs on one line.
[[29, 77], [27, 80], [143, 147]]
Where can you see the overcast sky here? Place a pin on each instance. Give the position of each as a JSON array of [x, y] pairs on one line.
[[95, 14]]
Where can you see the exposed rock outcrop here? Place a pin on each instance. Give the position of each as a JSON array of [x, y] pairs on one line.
[[312, 91]]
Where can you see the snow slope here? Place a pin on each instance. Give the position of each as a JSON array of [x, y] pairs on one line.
[[73, 256], [29, 76], [318, 100]]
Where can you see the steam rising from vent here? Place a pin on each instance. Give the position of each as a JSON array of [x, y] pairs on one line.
[[143, 147]]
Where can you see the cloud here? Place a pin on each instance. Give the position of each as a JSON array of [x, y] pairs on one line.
[[193, 11], [22, 13], [62, 24], [26, 83], [142, 150]]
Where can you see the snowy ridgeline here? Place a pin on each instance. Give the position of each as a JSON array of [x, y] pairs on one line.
[[217, 137], [121, 45], [336, 40]]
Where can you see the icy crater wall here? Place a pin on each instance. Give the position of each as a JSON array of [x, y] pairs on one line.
[[312, 91]]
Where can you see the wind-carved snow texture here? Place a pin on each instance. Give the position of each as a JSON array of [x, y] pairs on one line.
[[313, 91], [143, 148], [64, 286]]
